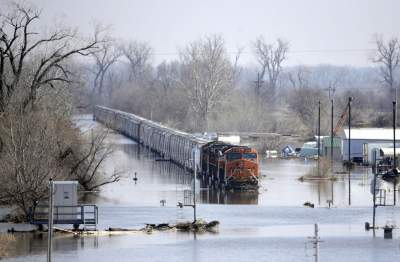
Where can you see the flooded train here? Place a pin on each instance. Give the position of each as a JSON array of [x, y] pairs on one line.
[[220, 164], [229, 166]]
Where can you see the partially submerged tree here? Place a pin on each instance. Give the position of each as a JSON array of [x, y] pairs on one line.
[[88, 159], [37, 137], [27, 159], [207, 74]]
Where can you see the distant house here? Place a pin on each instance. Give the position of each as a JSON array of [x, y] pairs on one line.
[[362, 139]]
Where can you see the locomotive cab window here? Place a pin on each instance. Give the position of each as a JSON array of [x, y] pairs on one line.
[[250, 156], [233, 156]]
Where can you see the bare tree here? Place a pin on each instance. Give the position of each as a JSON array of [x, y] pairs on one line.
[[27, 158], [37, 138], [167, 74], [19, 47], [299, 78], [89, 159], [207, 75], [303, 102], [270, 56], [388, 57], [105, 56], [138, 55]]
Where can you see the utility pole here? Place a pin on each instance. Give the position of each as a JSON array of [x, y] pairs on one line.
[[50, 222], [258, 84], [195, 159], [331, 90], [319, 134], [194, 191], [349, 149], [332, 135], [394, 135], [394, 150]]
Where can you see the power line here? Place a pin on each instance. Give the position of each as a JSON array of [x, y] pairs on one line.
[[290, 52]]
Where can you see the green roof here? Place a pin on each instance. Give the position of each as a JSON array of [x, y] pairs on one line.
[[337, 142]]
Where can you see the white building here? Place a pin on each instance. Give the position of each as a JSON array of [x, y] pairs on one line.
[[364, 138]]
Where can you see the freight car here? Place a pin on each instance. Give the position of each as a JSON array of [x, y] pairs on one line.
[[237, 165], [169, 143]]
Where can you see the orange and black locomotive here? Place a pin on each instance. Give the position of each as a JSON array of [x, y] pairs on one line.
[[230, 166]]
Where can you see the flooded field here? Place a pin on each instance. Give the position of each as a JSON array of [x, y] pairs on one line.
[[269, 225]]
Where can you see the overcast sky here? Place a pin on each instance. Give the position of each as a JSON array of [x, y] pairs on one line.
[[319, 31]]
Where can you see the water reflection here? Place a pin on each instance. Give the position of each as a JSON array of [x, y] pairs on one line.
[[229, 197], [20, 244]]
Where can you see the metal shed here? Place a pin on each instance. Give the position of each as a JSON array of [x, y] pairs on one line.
[[362, 139], [66, 209]]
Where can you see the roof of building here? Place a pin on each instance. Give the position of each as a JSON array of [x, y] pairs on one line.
[[388, 151], [310, 144], [370, 133]]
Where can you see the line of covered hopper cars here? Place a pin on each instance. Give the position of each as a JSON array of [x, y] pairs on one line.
[[221, 164]]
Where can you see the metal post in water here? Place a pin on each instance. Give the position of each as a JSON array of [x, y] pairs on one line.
[[350, 99], [394, 134], [332, 135], [394, 150], [194, 191], [319, 133], [50, 222], [316, 243], [374, 207], [332, 149]]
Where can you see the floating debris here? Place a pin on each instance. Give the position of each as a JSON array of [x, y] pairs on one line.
[[308, 204], [198, 226]]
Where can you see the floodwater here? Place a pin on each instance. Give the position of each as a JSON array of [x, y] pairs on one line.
[[269, 225]]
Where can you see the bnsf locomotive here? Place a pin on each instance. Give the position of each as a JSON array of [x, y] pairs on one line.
[[221, 164], [229, 166]]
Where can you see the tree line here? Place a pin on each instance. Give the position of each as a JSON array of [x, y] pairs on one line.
[[207, 89]]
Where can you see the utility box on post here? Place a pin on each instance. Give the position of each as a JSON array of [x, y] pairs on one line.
[[66, 200], [66, 209]]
